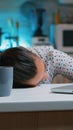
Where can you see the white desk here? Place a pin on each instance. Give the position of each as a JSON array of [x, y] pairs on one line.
[[36, 99]]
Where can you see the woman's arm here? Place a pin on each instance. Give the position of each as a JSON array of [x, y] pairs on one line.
[[63, 64]]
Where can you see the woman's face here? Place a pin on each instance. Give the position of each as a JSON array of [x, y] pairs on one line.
[[40, 75]]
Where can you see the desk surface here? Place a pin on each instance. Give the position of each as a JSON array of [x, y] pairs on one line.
[[39, 98]]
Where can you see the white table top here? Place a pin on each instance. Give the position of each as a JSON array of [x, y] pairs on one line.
[[39, 98]]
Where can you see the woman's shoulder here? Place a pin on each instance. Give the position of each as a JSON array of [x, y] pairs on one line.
[[42, 51], [42, 48]]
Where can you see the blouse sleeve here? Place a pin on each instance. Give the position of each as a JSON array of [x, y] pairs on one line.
[[63, 64]]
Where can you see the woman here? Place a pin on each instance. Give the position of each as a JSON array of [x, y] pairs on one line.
[[36, 65]]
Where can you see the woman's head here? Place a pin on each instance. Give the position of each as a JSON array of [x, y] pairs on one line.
[[28, 68]]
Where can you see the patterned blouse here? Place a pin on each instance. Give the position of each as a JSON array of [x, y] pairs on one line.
[[56, 62]]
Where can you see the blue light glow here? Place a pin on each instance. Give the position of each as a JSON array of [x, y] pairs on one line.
[[51, 33], [60, 1]]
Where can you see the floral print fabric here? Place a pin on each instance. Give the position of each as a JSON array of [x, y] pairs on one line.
[[56, 62]]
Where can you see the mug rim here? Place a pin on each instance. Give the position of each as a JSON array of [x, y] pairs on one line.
[[6, 66]]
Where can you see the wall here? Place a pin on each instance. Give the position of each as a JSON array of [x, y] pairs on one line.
[[12, 12]]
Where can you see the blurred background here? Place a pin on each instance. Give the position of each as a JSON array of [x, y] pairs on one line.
[[21, 20]]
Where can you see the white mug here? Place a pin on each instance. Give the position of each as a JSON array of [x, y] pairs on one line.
[[6, 80]]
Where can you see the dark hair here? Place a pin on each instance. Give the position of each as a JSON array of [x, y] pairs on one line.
[[22, 61]]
